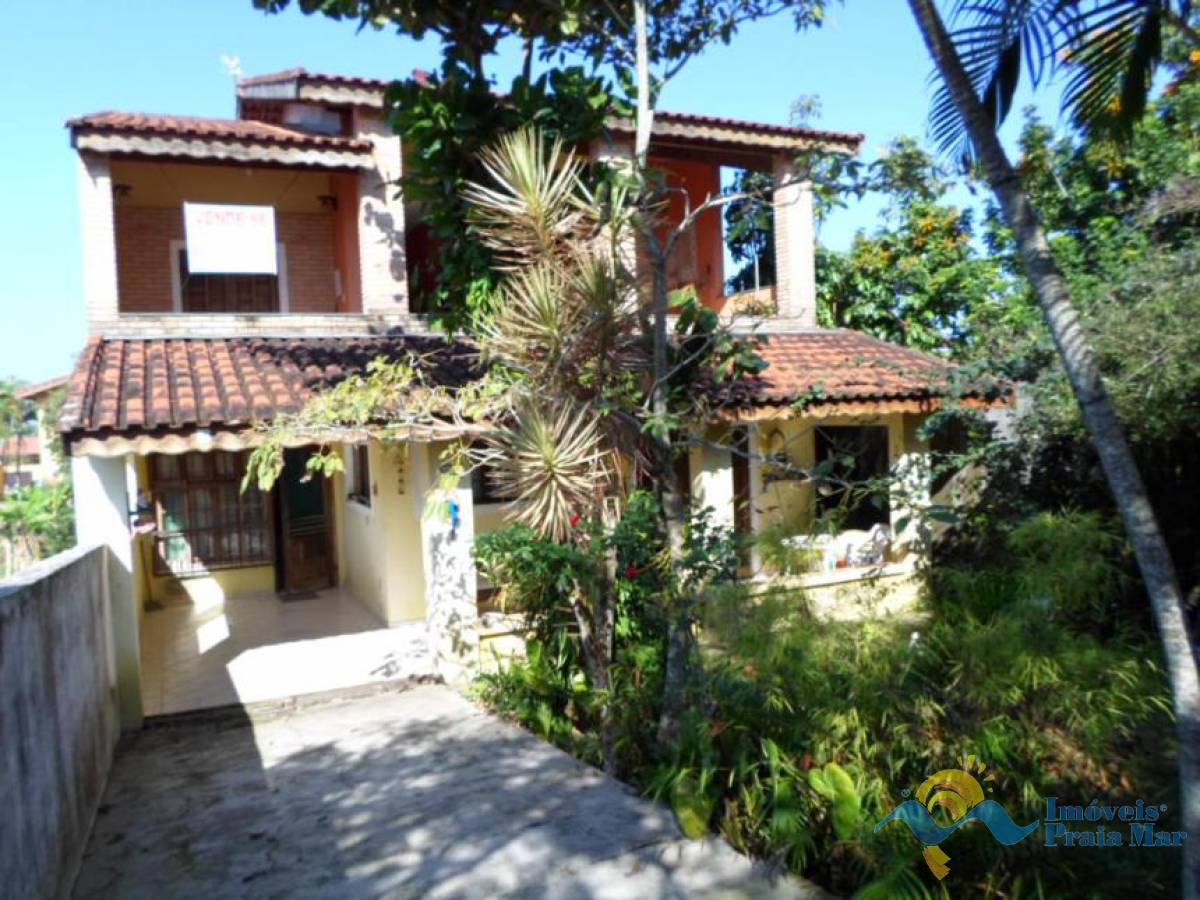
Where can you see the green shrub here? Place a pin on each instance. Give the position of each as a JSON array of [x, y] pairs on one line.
[[1069, 558], [806, 732]]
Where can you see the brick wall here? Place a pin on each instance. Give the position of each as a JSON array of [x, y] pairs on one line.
[[143, 240], [96, 235], [795, 271], [210, 325], [381, 251]]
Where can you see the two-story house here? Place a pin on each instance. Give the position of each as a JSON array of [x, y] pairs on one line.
[[181, 360]]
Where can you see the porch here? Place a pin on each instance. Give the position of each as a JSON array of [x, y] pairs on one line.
[[264, 646]]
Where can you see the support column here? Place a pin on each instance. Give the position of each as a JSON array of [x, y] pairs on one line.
[[383, 275], [98, 235], [754, 446], [715, 484], [795, 251], [909, 494], [447, 541], [102, 490], [618, 155]]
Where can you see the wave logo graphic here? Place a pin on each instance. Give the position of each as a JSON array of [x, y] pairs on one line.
[[959, 793]]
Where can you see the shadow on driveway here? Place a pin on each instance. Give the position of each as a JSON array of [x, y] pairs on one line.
[[399, 791]]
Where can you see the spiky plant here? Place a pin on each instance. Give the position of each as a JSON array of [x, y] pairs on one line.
[[565, 320], [555, 462], [533, 207]]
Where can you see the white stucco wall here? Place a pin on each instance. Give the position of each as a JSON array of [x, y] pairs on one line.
[[102, 501]]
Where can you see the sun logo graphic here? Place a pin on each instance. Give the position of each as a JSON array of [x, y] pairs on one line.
[[961, 796]]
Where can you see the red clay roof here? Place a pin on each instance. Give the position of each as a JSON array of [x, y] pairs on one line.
[[793, 131], [25, 445], [144, 385], [842, 365], [243, 130], [34, 391], [693, 119], [124, 385], [302, 74]]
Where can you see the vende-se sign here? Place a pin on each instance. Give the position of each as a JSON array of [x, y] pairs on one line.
[[229, 239]]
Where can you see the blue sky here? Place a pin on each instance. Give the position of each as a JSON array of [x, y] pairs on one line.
[[867, 64]]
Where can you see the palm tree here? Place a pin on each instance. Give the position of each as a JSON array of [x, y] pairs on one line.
[[1113, 47]]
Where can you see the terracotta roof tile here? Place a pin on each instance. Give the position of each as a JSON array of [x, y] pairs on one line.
[[843, 368], [301, 74], [139, 385], [21, 446], [700, 125], [42, 388], [241, 130]]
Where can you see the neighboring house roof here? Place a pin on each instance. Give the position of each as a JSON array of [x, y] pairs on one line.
[[241, 140], [127, 390], [833, 372], [41, 389], [25, 445]]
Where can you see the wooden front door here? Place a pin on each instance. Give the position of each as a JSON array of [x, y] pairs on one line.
[[306, 553]]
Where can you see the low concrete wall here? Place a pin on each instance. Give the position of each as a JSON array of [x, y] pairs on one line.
[[855, 595], [58, 718]]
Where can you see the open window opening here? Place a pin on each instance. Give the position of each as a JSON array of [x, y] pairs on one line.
[[749, 231], [856, 498]]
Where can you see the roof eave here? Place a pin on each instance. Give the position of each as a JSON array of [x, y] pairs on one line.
[[217, 149]]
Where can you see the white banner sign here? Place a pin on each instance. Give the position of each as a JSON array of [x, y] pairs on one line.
[[230, 239]]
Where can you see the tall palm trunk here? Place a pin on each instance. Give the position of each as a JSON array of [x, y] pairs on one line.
[[1101, 420]]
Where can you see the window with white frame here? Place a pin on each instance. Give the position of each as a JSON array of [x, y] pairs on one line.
[[217, 293]]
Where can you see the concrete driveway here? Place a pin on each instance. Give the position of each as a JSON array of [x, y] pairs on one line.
[[396, 791]]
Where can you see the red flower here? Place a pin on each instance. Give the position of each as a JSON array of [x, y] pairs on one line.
[[574, 520], [631, 571]]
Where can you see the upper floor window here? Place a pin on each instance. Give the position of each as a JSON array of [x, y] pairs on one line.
[[211, 293]]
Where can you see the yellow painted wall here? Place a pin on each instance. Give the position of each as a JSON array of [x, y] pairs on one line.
[[381, 544], [166, 184], [404, 501]]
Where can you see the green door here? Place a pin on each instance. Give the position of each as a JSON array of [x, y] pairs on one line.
[[307, 532]]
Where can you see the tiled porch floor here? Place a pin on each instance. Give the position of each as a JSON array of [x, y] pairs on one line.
[[258, 647]]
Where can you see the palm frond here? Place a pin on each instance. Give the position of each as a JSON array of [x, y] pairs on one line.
[[1112, 62], [998, 40], [1108, 48]]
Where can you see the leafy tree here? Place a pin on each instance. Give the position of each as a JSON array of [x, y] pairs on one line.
[[916, 278], [38, 520], [16, 421], [564, 391], [1110, 58]]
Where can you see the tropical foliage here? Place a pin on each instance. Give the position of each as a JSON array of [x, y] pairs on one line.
[[37, 521], [915, 278], [809, 731]]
